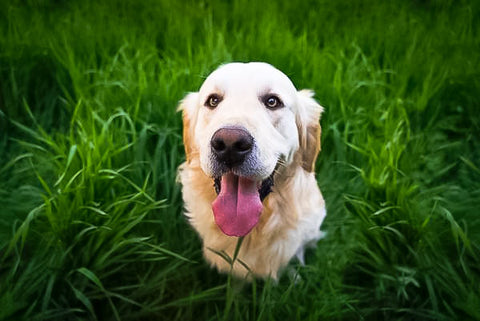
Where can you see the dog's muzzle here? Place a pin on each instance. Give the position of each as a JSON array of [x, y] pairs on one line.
[[238, 205], [230, 146]]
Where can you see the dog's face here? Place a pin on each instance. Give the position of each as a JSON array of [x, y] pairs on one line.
[[246, 121]]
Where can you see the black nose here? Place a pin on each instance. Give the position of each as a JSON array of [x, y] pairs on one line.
[[231, 145]]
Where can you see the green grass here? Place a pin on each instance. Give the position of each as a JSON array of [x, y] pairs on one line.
[[91, 224]]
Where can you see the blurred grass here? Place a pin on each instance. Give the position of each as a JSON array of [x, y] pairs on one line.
[[91, 225]]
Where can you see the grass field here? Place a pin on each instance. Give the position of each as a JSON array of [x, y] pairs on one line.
[[91, 224]]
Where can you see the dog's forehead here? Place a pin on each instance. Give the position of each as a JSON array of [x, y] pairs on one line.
[[255, 76]]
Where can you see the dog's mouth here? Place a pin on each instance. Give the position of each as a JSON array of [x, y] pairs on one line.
[[238, 205], [264, 188]]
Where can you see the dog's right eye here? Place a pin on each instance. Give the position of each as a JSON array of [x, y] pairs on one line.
[[213, 101], [272, 102]]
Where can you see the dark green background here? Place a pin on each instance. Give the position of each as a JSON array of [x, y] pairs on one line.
[[91, 224]]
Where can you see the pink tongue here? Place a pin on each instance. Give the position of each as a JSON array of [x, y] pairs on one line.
[[237, 208]]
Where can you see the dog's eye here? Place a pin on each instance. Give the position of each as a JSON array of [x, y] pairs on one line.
[[272, 102], [213, 100]]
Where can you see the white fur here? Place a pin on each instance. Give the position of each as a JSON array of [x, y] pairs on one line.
[[295, 209]]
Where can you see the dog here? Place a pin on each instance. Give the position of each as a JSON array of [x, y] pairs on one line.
[[251, 141]]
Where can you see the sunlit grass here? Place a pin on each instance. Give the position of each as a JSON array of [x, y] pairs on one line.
[[91, 224]]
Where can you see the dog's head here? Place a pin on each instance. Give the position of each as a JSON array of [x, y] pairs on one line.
[[245, 122]]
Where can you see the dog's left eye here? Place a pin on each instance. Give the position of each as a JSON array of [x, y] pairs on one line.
[[213, 100], [272, 102]]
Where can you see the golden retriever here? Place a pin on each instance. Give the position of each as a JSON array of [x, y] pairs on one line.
[[251, 142]]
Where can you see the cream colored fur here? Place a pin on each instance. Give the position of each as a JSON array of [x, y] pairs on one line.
[[287, 141]]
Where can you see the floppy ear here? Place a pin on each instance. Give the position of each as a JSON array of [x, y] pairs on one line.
[[187, 107], [309, 129]]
